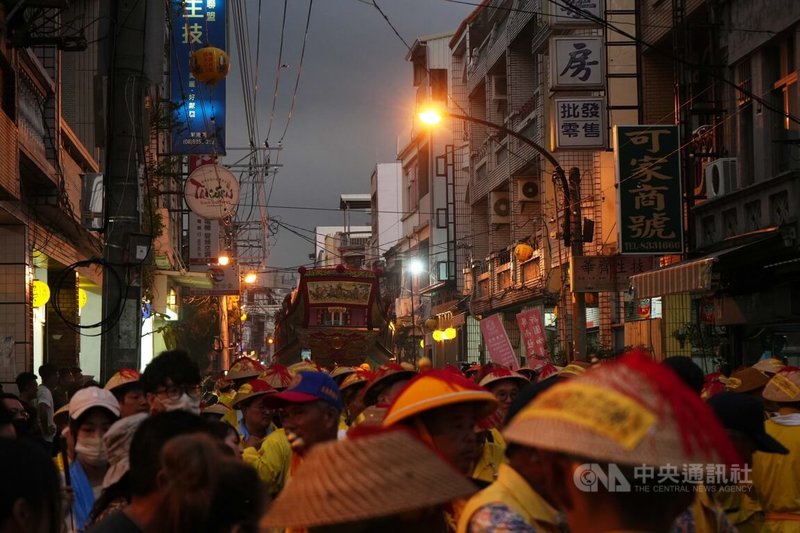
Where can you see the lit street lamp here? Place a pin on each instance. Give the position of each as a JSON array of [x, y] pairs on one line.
[[415, 268], [571, 225], [250, 278]]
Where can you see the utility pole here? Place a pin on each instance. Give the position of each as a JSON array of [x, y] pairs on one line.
[[127, 131], [576, 250]]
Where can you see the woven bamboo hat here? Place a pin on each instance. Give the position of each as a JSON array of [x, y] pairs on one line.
[[746, 380], [243, 368], [784, 387], [546, 371], [385, 376], [365, 477], [641, 414], [252, 389], [770, 366], [277, 375], [125, 376], [501, 374], [438, 388], [305, 366], [341, 372], [358, 378]]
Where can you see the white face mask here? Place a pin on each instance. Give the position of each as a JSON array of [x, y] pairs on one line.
[[184, 403], [92, 450]]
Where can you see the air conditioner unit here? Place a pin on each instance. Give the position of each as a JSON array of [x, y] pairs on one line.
[[499, 87], [721, 177], [528, 189], [499, 207]]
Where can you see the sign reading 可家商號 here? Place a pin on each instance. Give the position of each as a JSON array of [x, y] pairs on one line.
[[650, 198]]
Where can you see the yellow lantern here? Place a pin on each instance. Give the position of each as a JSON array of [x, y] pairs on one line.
[[431, 324], [209, 65], [450, 333], [82, 298], [41, 293], [438, 335], [523, 251], [422, 343]]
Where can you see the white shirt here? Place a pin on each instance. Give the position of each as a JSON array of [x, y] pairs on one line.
[[45, 397]]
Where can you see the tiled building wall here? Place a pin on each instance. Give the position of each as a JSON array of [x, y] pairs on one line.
[[14, 293]]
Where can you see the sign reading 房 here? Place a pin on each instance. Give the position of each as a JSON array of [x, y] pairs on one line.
[[497, 342], [212, 192], [650, 193]]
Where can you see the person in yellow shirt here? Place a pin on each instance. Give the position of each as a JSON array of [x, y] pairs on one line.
[[311, 405], [632, 421], [249, 416], [775, 478], [742, 416], [513, 502]]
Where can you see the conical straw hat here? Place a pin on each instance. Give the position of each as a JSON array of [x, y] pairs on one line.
[[365, 477]]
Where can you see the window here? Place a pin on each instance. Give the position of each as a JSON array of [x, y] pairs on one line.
[[782, 63], [423, 174], [7, 90], [438, 84], [411, 200]]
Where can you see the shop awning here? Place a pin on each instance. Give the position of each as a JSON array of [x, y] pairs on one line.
[[196, 280], [689, 276]]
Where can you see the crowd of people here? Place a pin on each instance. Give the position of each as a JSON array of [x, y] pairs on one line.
[[629, 444]]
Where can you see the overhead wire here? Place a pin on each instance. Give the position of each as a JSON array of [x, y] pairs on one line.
[[278, 70]]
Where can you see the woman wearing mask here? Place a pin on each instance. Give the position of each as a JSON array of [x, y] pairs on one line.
[[91, 412]]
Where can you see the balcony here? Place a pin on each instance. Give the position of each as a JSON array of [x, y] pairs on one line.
[[501, 281]]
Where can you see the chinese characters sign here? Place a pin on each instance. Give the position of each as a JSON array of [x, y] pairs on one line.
[[573, 13], [605, 273], [204, 234], [497, 342], [580, 123], [531, 328], [577, 63], [200, 108], [650, 198]]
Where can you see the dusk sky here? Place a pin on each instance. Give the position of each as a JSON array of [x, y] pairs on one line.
[[354, 100]]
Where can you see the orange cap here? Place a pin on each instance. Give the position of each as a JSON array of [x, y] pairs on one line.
[[438, 388]]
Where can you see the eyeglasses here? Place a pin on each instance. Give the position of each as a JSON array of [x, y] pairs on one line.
[[503, 396], [174, 392]]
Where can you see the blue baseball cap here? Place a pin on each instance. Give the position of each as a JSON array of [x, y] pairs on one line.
[[308, 386]]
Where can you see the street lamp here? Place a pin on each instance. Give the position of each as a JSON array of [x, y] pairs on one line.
[[415, 268], [250, 278], [224, 259], [571, 212]]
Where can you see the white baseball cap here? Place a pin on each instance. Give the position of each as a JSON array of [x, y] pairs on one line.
[[89, 397]]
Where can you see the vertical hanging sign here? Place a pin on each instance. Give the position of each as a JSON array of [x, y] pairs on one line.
[[199, 108], [531, 328], [650, 197], [497, 341]]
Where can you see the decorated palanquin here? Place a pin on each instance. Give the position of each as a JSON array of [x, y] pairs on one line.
[[336, 314]]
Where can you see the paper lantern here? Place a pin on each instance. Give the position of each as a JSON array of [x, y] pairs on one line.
[[82, 298], [41, 293], [450, 333], [523, 251], [209, 65], [438, 335]]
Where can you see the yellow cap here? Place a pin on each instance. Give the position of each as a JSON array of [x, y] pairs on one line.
[[438, 388]]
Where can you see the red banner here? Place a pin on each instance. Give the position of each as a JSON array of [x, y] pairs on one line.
[[497, 342], [531, 328]]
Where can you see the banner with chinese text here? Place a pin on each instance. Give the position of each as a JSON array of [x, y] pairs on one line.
[[200, 108], [531, 329], [650, 193], [580, 123], [497, 342]]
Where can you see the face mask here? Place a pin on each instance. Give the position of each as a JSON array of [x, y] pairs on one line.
[[92, 450], [184, 403]]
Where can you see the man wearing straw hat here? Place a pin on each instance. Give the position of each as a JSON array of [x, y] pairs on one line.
[[249, 416], [311, 407], [618, 466], [442, 409], [775, 476]]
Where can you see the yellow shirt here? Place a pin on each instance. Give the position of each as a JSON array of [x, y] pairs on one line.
[[512, 490], [226, 398], [775, 477], [742, 509], [234, 419], [488, 466], [272, 461]]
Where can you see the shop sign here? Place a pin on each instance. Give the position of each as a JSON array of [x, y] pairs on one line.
[[605, 273], [580, 123], [212, 192], [199, 108], [576, 13], [577, 63], [649, 189]]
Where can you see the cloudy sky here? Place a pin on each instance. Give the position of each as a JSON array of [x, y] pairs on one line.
[[354, 100]]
